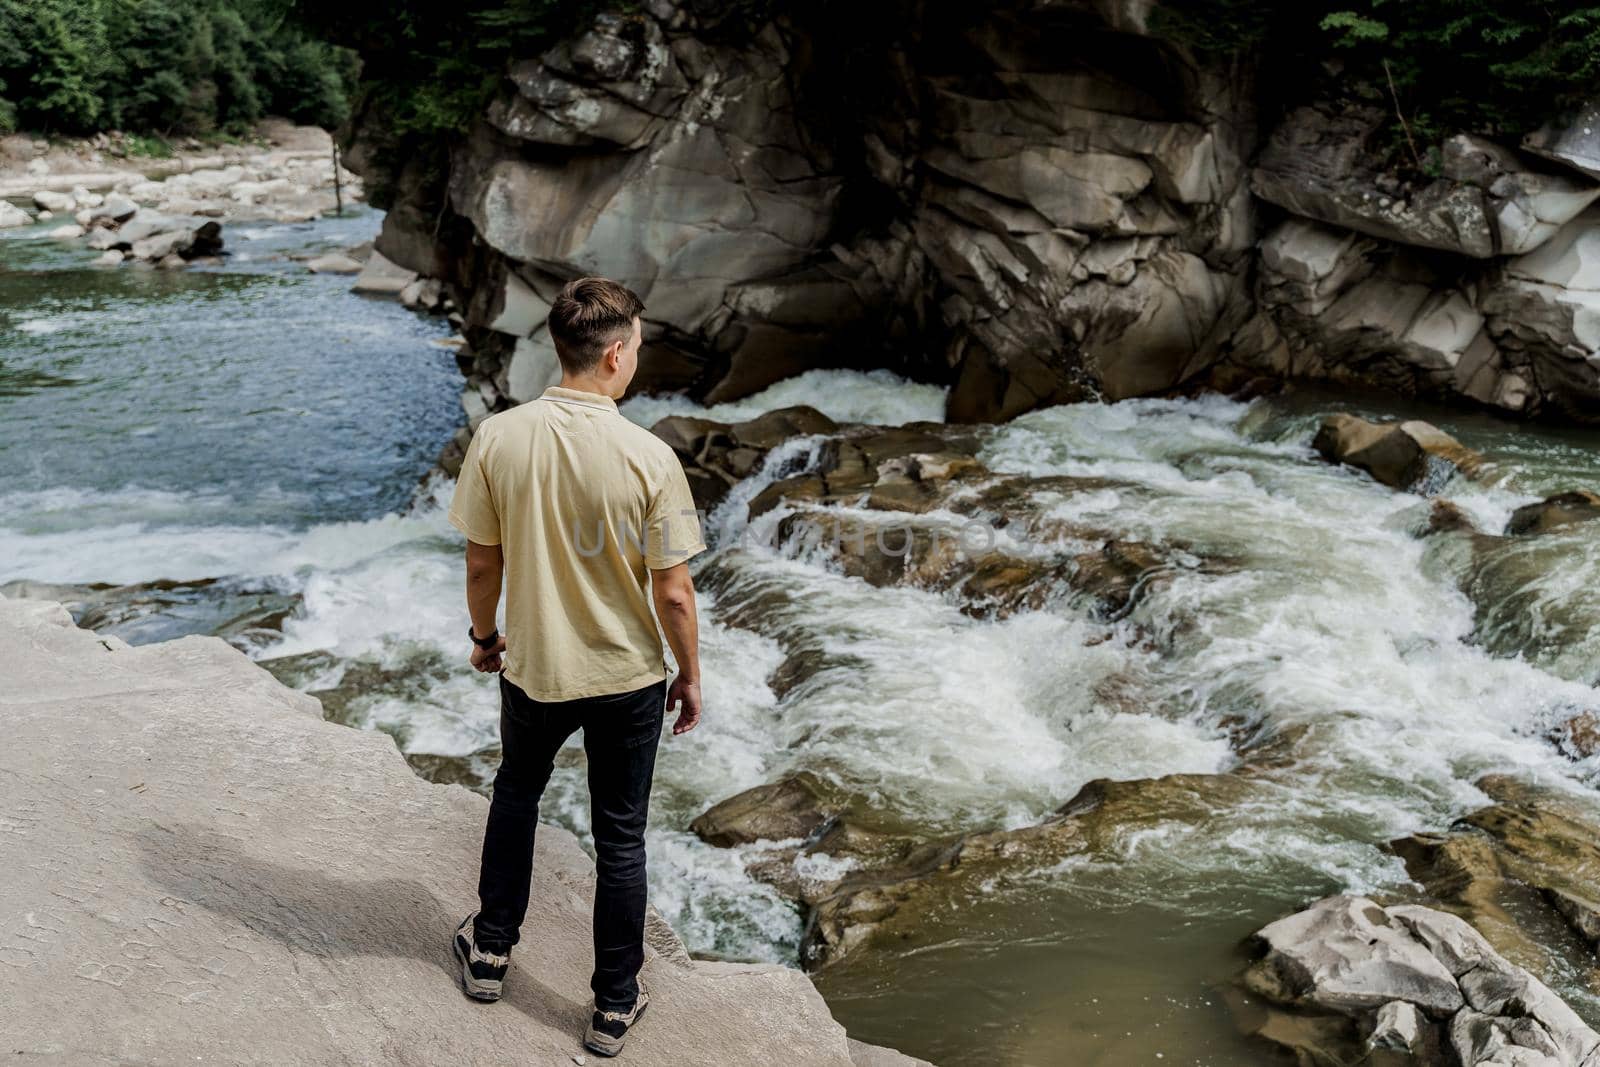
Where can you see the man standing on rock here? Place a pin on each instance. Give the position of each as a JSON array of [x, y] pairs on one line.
[[579, 510]]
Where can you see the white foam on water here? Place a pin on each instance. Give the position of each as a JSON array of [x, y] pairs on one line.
[[41, 326], [1323, 618], [877, 396], [1320, 613]]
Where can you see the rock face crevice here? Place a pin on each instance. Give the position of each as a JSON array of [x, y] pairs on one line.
[[1034, 203], [194, 866]]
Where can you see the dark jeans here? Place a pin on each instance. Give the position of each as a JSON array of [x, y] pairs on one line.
[[620, 734]]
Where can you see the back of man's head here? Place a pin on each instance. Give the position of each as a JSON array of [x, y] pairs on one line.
[[589, 316]]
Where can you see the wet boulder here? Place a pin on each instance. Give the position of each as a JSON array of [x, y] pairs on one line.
[[168, 242], [1555, 513], [334, 263], [115, 209], [885, 897], [1412, 456], [859, 880], [475, 771], [1348, 955], [1522, 869], [796, 807], [382, 276], [1577, 736], [206, 240], [162, 610], [717, 456], [1349, 981], [12, 216], [50, 200]]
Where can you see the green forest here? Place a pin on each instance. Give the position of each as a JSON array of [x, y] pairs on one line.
[[165, 67], [1496, 67], [201, 66]]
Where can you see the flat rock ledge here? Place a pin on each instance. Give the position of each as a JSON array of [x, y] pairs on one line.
[[196, 867], [1353, 982]]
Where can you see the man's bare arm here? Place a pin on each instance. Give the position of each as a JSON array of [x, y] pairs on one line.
[[673, 592], [485, 570]]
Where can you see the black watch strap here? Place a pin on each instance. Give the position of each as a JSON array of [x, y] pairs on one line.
[[484, 643]]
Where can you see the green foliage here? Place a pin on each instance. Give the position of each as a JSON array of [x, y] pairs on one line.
[[1498, 67], [149, 147], [432, 65], [1217, 26], [173, 66], [1351, 28]]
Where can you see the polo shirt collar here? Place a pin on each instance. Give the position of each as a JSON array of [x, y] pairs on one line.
[[579, 397]]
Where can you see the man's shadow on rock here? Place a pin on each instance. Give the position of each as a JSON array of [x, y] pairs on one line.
[[323, 915]]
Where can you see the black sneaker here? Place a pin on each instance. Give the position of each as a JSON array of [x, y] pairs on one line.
[[609, 1029], [481, 972]]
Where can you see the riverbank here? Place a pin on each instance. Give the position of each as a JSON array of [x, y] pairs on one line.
[[236, 450], [282, 173], [225, 876]]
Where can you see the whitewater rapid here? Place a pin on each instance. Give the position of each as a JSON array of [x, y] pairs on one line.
[[1330, 616], [265, 431]]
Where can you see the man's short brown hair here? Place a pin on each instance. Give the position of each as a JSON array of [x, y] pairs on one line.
[[589, 316]]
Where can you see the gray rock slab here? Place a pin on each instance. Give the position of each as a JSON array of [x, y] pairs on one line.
[[195, 867]]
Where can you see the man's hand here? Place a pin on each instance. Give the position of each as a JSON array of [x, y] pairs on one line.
[[673, 591], [684, 695], [487, 660], [485, 568]]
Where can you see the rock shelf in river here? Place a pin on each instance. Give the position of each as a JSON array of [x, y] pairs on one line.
[[195, 866], [1407, 984]]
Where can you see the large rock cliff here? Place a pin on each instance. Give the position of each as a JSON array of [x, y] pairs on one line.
[[195, 867], [1034, 201]]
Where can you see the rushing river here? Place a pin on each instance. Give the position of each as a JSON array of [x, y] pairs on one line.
[[256, 441]]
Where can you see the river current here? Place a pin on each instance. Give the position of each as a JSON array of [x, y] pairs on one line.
[[257, 440]]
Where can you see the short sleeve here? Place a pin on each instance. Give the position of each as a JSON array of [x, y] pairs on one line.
[[472, 509], [672, 526]]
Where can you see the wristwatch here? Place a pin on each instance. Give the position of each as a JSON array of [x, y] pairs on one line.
[[485, 643]]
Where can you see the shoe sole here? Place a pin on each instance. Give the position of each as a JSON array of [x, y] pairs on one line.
[[606, 1045], [477, 989]]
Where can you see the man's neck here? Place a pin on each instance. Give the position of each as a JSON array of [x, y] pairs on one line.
[[591, 384]]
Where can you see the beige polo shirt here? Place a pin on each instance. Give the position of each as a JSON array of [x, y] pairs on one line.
[[583, 503]]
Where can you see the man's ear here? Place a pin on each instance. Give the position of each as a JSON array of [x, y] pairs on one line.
[[613, 357]]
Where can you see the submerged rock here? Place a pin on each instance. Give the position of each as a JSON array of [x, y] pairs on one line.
[[857, 504], [155, 238], [859, 881], [382, 276], [792, 808], [334, 263], [163, 610], [1555, 513], [716, 456], [1520, 869], [1413, 455], [232, 847], [1411, 979]]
